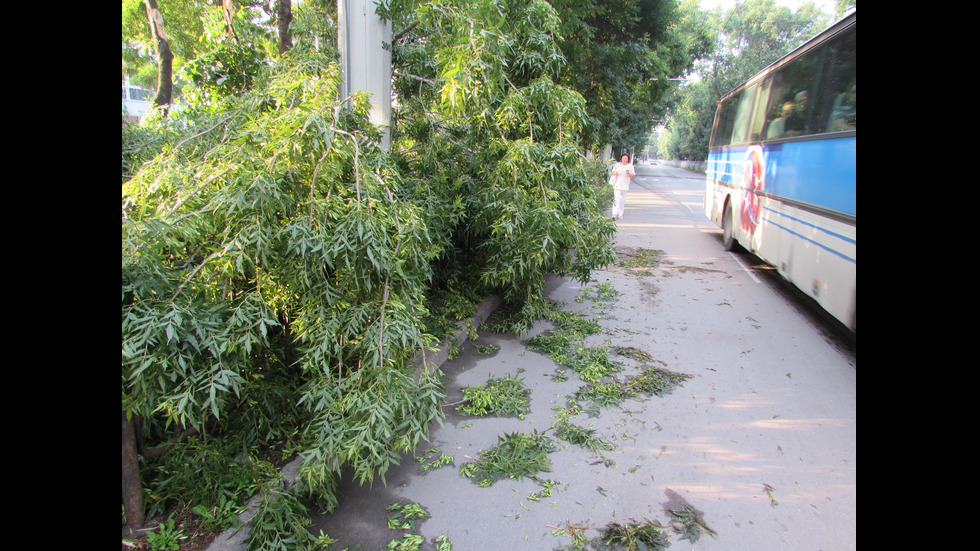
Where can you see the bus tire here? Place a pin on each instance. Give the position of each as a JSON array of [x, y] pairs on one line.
[[728, 228]]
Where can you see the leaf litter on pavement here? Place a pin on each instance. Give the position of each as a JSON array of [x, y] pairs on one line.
[[525, 455]]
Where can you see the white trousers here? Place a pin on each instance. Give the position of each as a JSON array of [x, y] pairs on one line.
[[619, 203]]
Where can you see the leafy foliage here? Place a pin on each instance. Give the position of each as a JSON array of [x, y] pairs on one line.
[[449, 305], [580, 436], [566, 345], [197, 473], [516, 456], [402, 516], [409, 542], [166, 537], [229, 70], [650, 381], [490, 143], [281, 523], [648, 535], [689, 523], [441, 461], [656, 381], [506, 395], [633, 536], [280, 270]]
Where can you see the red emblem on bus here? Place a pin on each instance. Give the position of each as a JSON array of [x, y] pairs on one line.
[[754, 181]]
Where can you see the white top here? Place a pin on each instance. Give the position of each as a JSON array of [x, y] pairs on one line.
[[623, 174]]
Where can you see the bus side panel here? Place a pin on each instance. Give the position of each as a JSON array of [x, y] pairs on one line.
[[817, 254], [819, 172], [714, 178], [782, 217], [723, 180]]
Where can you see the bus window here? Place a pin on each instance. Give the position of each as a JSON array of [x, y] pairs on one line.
[[841, 85], [759, 113], [843, 115], [790, 105], [726, 122], [743, 117], [815, 93]]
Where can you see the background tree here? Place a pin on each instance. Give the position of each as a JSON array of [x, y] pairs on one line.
[[165, 57], [620, 57], [188, 27], [284, 18], [750, 36], [196, 28]]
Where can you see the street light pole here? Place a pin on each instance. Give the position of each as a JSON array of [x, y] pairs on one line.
[[364, 41]]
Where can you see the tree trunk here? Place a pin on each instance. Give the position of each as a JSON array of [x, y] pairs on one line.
[[284, 18], [132, 487], [165, 57]]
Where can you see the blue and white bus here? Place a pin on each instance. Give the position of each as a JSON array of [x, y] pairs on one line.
[[782, 168]]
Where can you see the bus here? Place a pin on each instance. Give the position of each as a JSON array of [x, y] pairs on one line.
[[781, 174]]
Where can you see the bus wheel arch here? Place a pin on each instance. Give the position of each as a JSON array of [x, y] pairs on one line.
[[728, 226]]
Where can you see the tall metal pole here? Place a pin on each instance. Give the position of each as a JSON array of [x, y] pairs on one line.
[[364, 41]]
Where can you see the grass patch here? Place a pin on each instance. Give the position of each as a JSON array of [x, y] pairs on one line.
[[507, 395], [425, 464], [516, 455], [402, 516], [689, 523], [641, 261], [633, 536], [485, 349]]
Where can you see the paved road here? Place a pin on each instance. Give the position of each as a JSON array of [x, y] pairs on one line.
[[761, 440]]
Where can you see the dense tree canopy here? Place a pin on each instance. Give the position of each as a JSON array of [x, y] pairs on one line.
[[280, 269], [623, 54]]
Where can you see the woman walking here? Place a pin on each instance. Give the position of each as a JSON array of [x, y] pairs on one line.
[[622, 173]]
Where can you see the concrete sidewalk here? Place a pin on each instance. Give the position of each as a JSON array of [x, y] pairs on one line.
[[766, 466], [760, 440]]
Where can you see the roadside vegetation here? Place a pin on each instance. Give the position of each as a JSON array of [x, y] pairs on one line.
[[281, 268]]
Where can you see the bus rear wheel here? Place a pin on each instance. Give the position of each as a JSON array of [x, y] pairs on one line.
[[728, 229]]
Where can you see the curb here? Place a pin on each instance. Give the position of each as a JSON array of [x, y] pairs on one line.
[[435, 359], [234, 539]]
